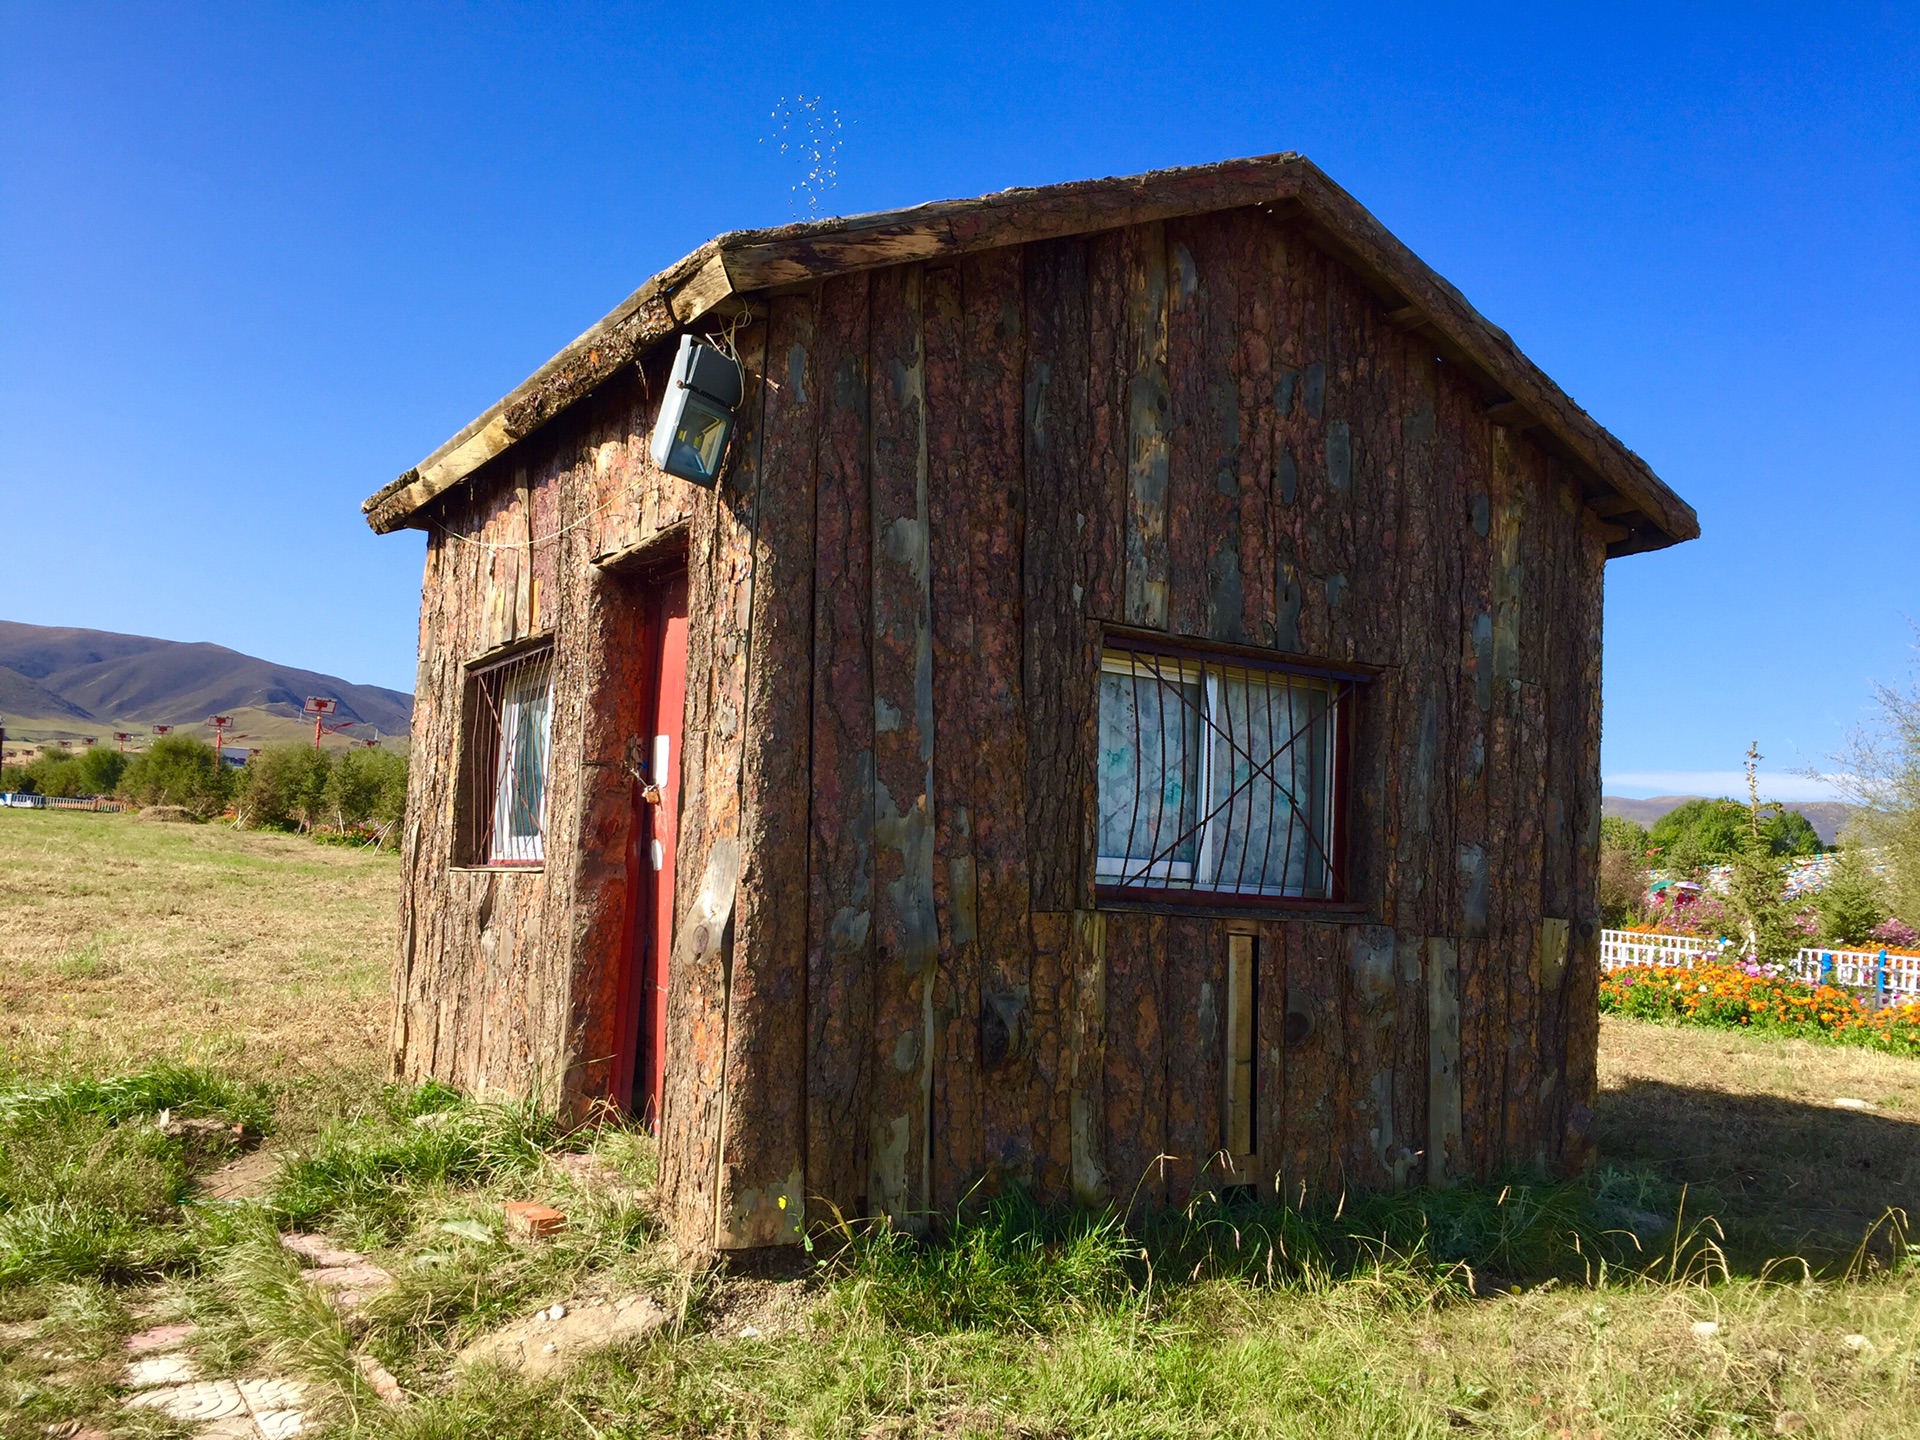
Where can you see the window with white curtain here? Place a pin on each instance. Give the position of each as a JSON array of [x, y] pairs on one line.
[[1218, 775], [509, 746]]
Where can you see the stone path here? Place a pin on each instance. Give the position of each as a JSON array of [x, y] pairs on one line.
[[351, 1277], [165, 1380]]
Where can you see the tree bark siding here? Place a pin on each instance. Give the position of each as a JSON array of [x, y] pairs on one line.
[[947, 480]]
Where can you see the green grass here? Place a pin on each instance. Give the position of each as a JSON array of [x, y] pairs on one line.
[[195, 961]]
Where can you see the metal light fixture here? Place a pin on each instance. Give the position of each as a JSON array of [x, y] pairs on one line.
[[696, 417]]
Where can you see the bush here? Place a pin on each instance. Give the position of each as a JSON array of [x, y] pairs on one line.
[[178, 770], [282, 787], [293, 786], [1623, 871], [93, 771]]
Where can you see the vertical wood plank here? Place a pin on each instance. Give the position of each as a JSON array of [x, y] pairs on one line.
[[1149, 408], [959, 1155], [763, 1160], [992, 306], [1134, 1078], [1065, 521], [1195, 998], [906, 934], [1239, 1142], [1445, 1161], [840, 873]]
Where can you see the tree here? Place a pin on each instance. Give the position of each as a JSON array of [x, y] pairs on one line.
[[178, 770], [1879, 772], [366, 787], [1700, 833], [1756, 891], [1850, 905]]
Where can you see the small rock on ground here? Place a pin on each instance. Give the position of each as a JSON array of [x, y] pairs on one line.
[[380, 1380], [543, 1346]]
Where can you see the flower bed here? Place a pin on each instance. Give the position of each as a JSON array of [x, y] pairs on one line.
[[1736, 997]]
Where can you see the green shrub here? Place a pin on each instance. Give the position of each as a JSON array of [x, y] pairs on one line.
[[95, 770], [281, 788], [178, 770]]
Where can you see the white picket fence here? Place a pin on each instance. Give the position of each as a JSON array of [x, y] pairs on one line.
[[1891, 979]]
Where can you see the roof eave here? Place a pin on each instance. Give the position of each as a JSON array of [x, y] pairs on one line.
[[1648, 514]]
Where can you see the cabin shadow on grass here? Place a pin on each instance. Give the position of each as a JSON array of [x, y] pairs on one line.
[[1783, 1177]]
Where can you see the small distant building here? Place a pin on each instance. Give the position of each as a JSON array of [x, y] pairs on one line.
[[1126, 719]]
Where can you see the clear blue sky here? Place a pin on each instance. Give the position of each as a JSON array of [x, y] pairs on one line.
[[257, 260]]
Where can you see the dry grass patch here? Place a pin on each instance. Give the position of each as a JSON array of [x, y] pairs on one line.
[[1750, 1125], [127, 943]]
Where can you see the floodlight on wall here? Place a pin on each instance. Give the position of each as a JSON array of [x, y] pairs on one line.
[[696, 417]]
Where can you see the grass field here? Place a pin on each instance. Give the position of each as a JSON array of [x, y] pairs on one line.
[[220, 974]]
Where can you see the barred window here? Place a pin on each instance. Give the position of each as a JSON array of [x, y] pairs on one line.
[[509, 738], [1219, 775]]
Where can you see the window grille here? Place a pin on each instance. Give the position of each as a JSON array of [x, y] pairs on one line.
[[509, 742], [1219, 776]]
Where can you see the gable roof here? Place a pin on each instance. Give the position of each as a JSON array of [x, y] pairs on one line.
[[1641, 511]]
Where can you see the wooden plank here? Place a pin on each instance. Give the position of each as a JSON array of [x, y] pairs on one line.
[[1204, 537], [1446, 1161], [840, 866], [959, 1155], [1317, 1088], [1065, 522], [1149, 414], [1090, 1182], [1134, 1077], [992, 311], [1195, 998], [1240, 1136], [905, 929], [763, 1165]]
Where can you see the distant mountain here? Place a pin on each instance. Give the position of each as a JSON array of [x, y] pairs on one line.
[[1828, 817], [82, 680]]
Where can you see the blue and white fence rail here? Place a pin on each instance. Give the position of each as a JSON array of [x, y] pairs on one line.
[[15, 800], [1892, 979]]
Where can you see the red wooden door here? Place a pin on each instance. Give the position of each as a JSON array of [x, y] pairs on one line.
[[658, 831]]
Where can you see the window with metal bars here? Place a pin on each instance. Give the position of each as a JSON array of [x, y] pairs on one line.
[[509, 741], [1219, 776]]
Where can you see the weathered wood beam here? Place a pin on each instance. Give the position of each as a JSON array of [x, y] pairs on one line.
[[1512, 414]]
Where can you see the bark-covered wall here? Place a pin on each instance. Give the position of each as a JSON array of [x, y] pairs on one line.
[[1208, 428], [507, 979], [946, 479]]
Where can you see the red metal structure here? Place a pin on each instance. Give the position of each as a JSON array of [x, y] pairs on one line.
[[319, 707], [221, 724]]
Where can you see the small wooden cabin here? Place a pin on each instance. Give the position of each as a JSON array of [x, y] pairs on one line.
[[1127, 717]]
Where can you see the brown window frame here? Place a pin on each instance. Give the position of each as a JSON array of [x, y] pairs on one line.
[[1344, 686], [487, 692]]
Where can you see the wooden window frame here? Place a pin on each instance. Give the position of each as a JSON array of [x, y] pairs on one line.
[[482, 783], [1347, 684]]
